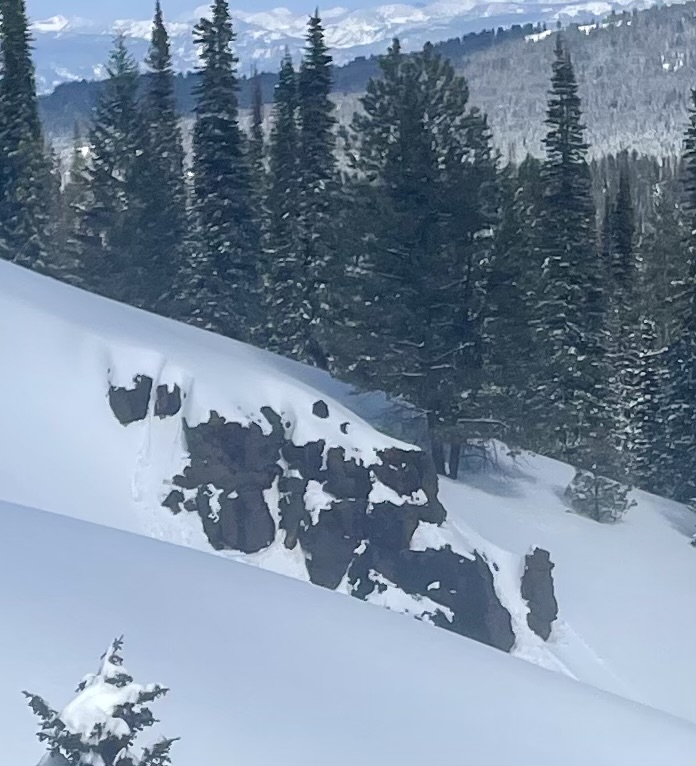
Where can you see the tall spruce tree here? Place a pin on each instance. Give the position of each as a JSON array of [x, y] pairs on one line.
[[318, 194], [27, 184], [509, 353], [623, 321], [288, 327], [162, 224], [110, 212], [219, 289], [647, 414], [680, 405], [257, 144], [413, 305], [571, 387]]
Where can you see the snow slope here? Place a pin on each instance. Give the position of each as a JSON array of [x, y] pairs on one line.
[[265, 670], [626, 592]]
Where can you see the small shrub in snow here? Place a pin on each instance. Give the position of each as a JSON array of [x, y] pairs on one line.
[[99, 726], [598, 497]]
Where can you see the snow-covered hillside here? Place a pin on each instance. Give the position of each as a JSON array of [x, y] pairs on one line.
[[77, 48], [133, 422], [264, 670]]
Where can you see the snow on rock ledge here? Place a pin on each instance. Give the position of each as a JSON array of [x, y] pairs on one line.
[[163, 430], [347, 517]]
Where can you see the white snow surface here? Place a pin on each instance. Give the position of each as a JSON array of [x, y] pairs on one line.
[[192, 621], [263, 669]]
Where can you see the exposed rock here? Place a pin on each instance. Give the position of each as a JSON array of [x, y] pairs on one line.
[[131, 404], [174, 501], [351, 521], [167, 403], [321, 409], [231, 467], [538, 592], [466, 588]]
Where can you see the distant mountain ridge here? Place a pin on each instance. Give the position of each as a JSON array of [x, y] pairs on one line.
[[73, 49]]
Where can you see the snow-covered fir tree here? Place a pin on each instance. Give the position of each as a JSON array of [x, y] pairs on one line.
[[109, 211], [680, 404], [573, 376], [99, 726], [621, 268], [318, 196], [163, 190], [287, 324], [218, 288], [257, 146], [27, 183], [412, 307]]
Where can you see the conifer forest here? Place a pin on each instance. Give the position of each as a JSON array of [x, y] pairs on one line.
[[548, 303]]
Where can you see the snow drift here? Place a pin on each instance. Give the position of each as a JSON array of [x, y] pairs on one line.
[[265, 670], [130, 420]]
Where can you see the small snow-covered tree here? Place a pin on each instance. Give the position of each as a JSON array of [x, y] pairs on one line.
[[99, 726]]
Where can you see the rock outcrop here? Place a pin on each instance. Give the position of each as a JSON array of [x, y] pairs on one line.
[[351, 520], [131, 404], [538, 591]]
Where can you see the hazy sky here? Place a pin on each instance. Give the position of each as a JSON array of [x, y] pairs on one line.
[[112, 9]]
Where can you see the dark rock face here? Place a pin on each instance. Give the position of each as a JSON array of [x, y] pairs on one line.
[[321, 409], [167, 403], [343, 533], [461, 585], [131, 404], [538, 591], [352, 522]]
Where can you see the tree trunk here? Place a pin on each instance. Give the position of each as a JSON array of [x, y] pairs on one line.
[[455, 454], [439, 456]]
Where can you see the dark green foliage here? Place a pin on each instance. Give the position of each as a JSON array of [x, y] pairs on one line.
[[511, 279], [602, 499], [27, 181], [318, 198], [647, 413], [680, 404], [162, 188], [257, 160], [109, 745], [287, 327], [571, 384], [425, 183], [109, 208], [218, 290]]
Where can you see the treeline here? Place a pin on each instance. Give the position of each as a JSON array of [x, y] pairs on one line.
[[542, 303], [74, 102]]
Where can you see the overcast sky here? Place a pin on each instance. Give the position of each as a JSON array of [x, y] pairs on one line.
[[141, 9]]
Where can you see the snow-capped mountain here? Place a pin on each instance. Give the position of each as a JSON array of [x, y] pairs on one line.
[[77, 48]]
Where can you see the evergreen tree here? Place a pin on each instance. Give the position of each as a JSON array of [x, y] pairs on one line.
[[680, 406], [318, 194], [288, 327], [219, 286], [649, 449], [413, 304], [117, 709], [664, 266], [509, 281], [257, 149], [623, 321], [162, 216], [27, 183], [571, 386], [110, 214]]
